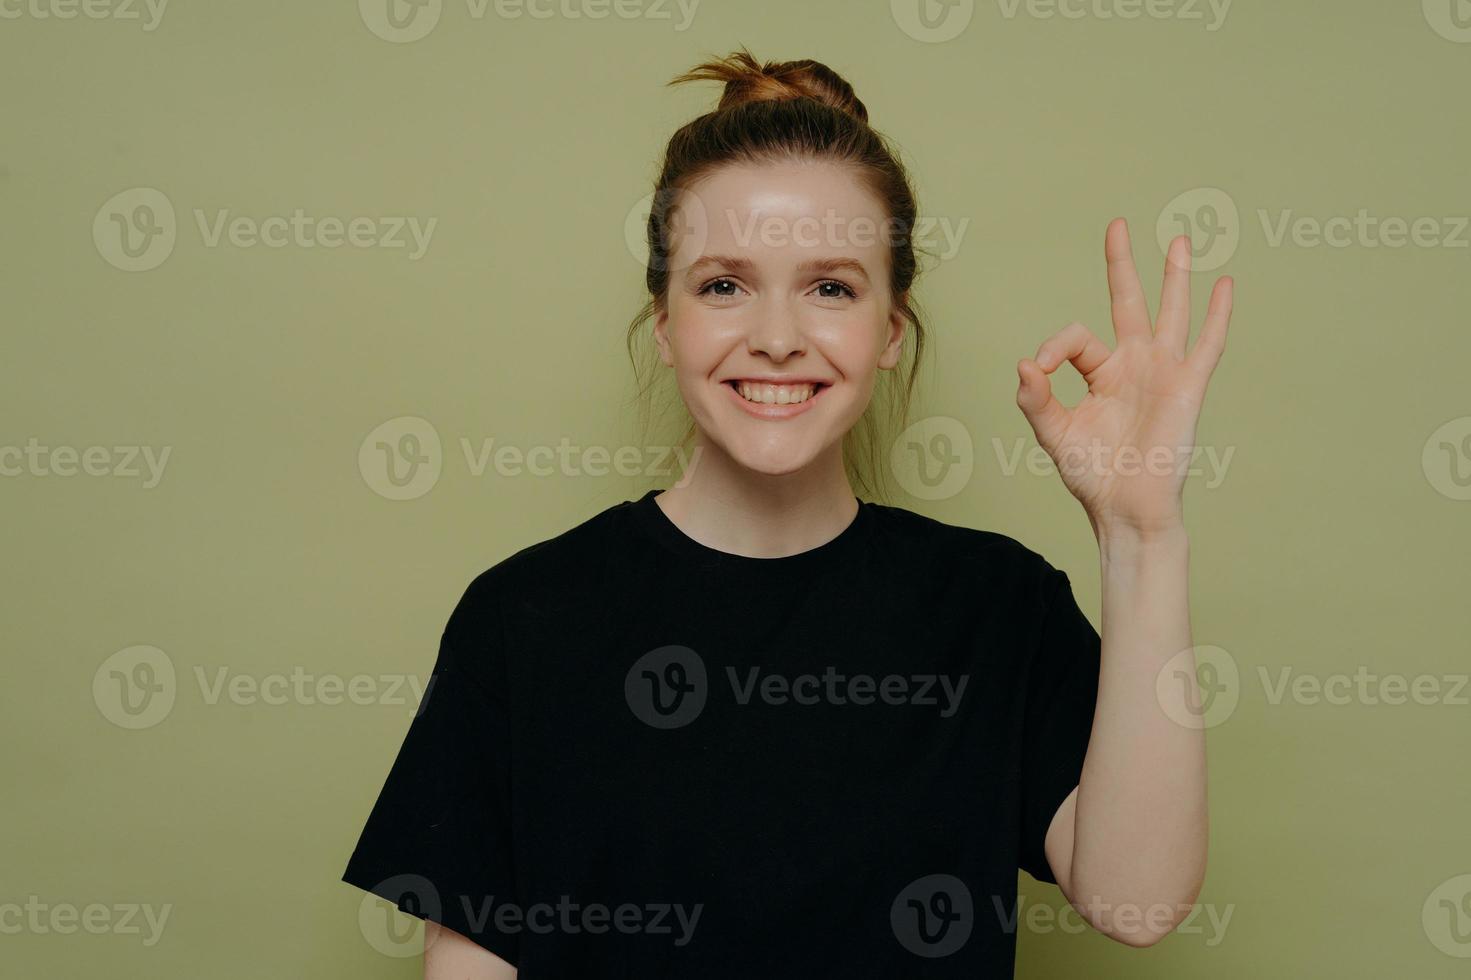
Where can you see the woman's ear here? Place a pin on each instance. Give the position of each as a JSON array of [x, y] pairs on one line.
[[661, 336], [889, 356]]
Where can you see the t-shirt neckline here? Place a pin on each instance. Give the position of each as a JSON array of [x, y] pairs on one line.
[[832, 551]]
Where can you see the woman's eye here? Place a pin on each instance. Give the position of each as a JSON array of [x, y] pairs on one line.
[[838, 290], [718, 284], [828, 289]]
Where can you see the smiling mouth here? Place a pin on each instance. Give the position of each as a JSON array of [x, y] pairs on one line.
[[766, 393]]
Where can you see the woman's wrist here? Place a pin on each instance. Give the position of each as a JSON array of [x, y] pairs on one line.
[[1124, 540]]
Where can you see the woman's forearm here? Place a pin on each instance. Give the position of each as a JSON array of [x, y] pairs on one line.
[[1140, 829]]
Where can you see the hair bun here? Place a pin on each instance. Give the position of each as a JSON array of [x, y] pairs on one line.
[[747, 80]]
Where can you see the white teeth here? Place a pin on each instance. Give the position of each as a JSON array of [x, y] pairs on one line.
[[767, 394]]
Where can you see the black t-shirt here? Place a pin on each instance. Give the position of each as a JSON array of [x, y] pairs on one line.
[[642, 757]]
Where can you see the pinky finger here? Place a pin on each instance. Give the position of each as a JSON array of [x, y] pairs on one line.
[[1212, 340]]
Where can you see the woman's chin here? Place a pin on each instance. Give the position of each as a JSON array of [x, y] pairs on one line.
[[774, 460]]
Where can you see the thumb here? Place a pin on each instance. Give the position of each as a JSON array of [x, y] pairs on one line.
[[1034, 397]]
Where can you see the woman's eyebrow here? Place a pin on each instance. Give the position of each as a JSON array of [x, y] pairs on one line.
[[834, 265], [743, 265], [735, 263]]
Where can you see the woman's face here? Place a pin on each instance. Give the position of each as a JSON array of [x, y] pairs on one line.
[[778, 312]]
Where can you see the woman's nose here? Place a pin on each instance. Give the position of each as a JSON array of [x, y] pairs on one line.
[[776, 330]]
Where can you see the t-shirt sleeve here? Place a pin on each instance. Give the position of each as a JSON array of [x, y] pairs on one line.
[[437, 842], [1061, 690]]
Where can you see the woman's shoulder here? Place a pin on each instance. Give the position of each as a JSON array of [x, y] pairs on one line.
[[959, 538], [582, 553], [960, 543]]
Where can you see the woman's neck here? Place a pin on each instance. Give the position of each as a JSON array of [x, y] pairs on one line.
[[734, 509]]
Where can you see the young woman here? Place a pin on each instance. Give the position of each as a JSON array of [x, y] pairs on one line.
[[753, 726]]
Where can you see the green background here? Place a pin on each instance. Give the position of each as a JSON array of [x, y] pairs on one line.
[[1329, 546]]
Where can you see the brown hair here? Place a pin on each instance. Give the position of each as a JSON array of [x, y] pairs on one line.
[[784, 111]]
